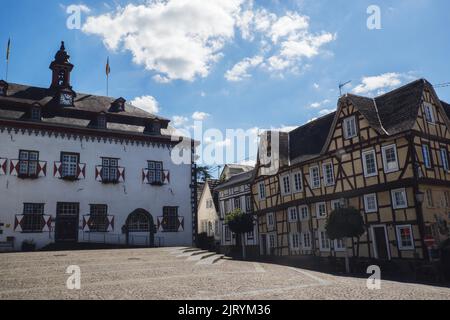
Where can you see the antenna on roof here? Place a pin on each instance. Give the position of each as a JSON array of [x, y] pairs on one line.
[[342, 85], [442, 85]]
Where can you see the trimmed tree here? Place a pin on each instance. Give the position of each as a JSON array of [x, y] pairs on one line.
[[240, 223], [344, 223]]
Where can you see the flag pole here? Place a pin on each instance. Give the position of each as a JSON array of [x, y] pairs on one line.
[[108, 70], [7, 59]]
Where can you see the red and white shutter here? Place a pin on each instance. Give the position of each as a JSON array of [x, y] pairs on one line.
[[47, 223], [121, 174], [3, 163], [42, 169], [180, 223], [160, 224], [166, 177], [145, 175], [81, 172], [110, 223], [98, 173], [18, 223], [57, 170], [14, 168], [86, 222]]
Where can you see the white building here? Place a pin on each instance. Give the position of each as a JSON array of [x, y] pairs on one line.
[[208, 211], [77, 167]]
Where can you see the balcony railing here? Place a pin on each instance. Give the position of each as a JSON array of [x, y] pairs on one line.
[[154, 179], [109, 174], [170, 224], [32, 223], [28, 169], [77, 174]]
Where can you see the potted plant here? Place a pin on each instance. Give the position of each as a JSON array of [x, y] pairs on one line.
[[28, 245]]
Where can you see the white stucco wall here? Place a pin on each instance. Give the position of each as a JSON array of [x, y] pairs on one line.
[[121, 198]]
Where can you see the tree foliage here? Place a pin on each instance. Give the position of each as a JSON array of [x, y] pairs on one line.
[[345, 223], [239, 222], [203, 173]]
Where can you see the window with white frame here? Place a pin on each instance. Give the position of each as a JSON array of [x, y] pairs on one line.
[[295, 241], [426, 156], [430, 201], [429, 112], [335, 204], [328, 174], [237, 203], [444, 159], [306, 240], [321, 209], [399, 199], [248, 204], [297, 178], [405, 237], [285, 185], [339, 245], [390, 160], [369, 163], [304, 212], [262, 190], [209, 203], [69, 163], [270, 220], [370, 203], [324, 241], [314, 175], [28, 163], [227, 233], [272, 241], [292, 214], [350, 127]]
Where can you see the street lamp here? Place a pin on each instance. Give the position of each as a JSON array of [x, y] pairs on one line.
[[420, 197]]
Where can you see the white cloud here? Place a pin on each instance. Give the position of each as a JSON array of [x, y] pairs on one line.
[[179, 121], [183, 39], [200, 116], [316, 86], [326, 111], [177, 39], [147, 103], [285, 43], [376, 85], [239, 70], [320, 104]]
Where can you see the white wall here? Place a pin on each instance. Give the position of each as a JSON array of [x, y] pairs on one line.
[[121, 198]]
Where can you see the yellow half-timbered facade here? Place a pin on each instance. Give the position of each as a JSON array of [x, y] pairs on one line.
[[386, 156]]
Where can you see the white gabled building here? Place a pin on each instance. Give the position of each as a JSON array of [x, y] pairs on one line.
[[77, 167]]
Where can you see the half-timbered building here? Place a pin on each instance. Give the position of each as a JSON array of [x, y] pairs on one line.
[[235, 193], [78, 167], [386, 156]]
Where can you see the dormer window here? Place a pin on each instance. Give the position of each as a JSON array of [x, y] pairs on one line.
[[35, 113], [101, 121], [153, 127], [118, 105], [3, 88]]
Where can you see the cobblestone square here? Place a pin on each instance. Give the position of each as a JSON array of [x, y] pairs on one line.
[[167, 273]]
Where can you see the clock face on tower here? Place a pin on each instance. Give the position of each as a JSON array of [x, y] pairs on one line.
[[66, 99]]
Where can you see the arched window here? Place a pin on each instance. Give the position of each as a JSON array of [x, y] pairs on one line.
[[138, 222]]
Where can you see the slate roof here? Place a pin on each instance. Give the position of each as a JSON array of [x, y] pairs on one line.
[[307, 141], [238, 179], [391, 113]]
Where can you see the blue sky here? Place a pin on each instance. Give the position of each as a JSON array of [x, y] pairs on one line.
[[293, 54]]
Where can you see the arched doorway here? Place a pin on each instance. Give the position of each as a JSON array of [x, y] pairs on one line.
[[140, 228]]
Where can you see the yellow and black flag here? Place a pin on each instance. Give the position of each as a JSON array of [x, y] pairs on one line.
[[8, 49], [108, 69]]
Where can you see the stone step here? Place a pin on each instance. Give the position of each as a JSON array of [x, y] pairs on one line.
[[200, 256], [191, 253], [211, 259]]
